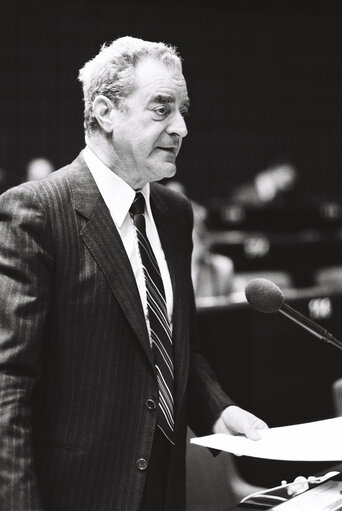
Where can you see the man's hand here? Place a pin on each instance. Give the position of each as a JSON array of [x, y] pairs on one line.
[[235, 420]]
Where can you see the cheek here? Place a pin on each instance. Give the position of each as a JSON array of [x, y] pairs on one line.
[[127, 140], [146, 141], [141, 147], [139, 138]]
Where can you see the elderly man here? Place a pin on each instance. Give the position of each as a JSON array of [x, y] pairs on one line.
[[99, 371]]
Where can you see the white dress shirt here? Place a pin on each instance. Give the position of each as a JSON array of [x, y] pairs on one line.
[[118, 196]]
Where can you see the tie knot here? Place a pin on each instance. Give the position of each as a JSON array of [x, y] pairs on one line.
[[138, 205]]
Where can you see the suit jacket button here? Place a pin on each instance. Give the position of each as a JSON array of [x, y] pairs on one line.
[[142, 464], [151, 404]]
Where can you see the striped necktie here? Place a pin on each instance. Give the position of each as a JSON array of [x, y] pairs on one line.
[[160, 331]]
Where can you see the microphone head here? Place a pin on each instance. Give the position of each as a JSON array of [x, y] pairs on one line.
[[264, 295]]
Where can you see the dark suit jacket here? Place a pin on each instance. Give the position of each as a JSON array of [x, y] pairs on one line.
[[75, 362]]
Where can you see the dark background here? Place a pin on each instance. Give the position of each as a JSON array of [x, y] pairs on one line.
[[264, 80]]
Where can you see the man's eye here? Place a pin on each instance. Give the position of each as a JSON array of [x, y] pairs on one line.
[[162, 110], [184, 112]]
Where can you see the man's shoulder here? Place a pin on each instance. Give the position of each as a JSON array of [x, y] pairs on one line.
[[170, 197], [65, 173], [56, 182]]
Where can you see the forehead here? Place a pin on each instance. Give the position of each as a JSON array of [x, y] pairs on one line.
[[153, 78]]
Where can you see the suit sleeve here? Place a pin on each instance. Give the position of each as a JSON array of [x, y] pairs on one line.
[[206, 398], [25, 283]]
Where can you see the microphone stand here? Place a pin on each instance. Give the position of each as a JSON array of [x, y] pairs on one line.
[[309, 325]]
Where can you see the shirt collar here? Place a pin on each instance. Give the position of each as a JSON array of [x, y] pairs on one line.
[[117, 194]]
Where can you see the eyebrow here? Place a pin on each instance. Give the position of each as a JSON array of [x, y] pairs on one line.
[[161, 98]]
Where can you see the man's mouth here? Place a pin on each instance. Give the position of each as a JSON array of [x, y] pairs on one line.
[[169, 149]]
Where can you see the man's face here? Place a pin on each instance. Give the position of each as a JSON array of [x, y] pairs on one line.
[[149, 126]]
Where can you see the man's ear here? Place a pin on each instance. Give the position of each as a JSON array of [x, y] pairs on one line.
[[102, 110]]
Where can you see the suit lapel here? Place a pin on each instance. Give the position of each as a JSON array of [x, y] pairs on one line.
[[104, 243]]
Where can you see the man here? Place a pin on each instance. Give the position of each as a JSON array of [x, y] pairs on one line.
[[99, 373]]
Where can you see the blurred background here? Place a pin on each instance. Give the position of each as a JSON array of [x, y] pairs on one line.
[[262, 165], [264, 81]]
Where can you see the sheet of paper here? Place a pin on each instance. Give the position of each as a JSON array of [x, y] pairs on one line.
[[311, 441]]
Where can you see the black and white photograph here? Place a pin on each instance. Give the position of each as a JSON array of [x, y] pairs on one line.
[[171, 256]]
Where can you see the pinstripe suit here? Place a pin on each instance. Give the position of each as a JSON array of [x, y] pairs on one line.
[[76, 367]]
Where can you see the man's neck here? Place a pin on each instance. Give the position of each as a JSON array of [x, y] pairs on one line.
[[101, 146]]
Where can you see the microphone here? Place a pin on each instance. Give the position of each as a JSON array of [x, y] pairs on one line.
[[265, 296]]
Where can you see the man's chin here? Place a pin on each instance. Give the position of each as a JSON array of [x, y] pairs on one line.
[[168, 171]]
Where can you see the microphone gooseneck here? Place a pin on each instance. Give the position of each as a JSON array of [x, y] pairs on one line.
[[265, 296]]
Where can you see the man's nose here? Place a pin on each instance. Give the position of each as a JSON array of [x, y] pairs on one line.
[[177, 126]]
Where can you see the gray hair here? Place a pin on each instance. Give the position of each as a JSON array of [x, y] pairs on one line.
[[112, 71]]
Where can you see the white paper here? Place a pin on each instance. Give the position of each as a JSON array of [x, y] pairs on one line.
[[311, 441]]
